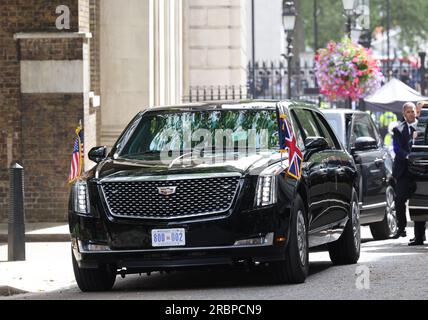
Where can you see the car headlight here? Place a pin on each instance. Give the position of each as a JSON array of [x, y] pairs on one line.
[[266, 190], [81, 197]]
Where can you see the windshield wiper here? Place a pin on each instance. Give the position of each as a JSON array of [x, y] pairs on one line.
[[148, 152]]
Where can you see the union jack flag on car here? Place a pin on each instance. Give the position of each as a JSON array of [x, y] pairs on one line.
[[288, 144]]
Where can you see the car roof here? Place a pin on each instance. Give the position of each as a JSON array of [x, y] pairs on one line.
[[343, 111], [233, 104]]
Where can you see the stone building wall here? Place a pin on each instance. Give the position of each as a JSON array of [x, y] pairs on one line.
[[216, 43]]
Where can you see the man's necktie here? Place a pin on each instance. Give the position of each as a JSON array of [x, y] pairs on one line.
[[411, 142]]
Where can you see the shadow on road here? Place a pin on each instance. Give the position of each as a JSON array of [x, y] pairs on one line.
[[182, 280]]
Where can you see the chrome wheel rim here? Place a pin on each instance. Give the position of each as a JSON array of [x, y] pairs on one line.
[[356, 228], [391, 214], [301, 238]]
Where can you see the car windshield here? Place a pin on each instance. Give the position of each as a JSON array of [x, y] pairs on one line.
[[335, 121], [211, 131]]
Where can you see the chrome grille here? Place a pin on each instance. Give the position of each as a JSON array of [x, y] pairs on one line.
[[192, 197]]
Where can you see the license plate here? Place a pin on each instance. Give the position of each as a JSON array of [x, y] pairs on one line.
[[168, 238]]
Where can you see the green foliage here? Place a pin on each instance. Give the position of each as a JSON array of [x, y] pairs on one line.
[[409, 15]]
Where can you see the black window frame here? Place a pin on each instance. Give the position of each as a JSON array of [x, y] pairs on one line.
[[296, 118], [371, 124], [330, 131]]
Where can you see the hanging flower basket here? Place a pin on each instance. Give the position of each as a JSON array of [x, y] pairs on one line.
[[347, 70]]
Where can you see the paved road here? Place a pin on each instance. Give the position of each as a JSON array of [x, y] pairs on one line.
[[395, 270]]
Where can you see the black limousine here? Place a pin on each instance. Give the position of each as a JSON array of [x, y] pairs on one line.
[[206, 185]]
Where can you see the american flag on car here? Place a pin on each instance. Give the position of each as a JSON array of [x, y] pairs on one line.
[[77, 158]]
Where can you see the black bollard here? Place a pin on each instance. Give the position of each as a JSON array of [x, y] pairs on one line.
[[16, 232]]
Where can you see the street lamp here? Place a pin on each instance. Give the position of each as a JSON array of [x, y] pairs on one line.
[[288, 22], [349, 7]]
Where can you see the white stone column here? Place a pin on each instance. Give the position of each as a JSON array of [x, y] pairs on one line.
[[167, 52], [215, 35], [124, 67], [140, 59]]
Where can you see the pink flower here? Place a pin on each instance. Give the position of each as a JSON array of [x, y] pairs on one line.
[[343, 80]]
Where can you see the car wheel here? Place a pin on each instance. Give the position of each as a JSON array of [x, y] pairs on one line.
[[388, 227], [346, 250], [294, 269], [97, 279]]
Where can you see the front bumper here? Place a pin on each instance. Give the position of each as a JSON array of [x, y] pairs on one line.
[[135, 261], [209, 242]]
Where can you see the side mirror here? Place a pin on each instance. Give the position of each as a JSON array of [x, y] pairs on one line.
[[365, 143], [97, 154], [316, 143]]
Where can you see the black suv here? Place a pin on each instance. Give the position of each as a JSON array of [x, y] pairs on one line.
[[205, 185], [359, 134]]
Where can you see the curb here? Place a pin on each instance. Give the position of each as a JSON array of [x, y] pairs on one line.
[[6, 291], [40, 238]]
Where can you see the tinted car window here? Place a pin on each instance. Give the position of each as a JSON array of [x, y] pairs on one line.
[[327, 132], [362, 127], [422, 138], [336, 122], [307, 123]]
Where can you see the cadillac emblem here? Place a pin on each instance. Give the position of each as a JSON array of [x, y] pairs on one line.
[[167, 191]]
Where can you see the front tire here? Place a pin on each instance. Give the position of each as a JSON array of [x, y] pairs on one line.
[[295, 267], [388, 227], [93, 280], [346, 250]]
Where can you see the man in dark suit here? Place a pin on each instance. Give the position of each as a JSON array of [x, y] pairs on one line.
[[402, 141]]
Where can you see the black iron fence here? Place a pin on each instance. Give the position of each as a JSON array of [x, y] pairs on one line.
[[270, 81], [215, 93]]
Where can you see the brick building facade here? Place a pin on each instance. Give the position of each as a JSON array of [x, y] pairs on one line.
[[45, 81], [129, 57]]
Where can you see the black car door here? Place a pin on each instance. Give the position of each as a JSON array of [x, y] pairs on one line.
[[316, 175], [371, 166], [338, 171]]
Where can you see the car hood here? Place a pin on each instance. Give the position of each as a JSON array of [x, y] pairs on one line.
[[244, 165]]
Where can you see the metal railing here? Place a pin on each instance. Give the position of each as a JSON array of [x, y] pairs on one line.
[[216, 93], [269, 80]]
